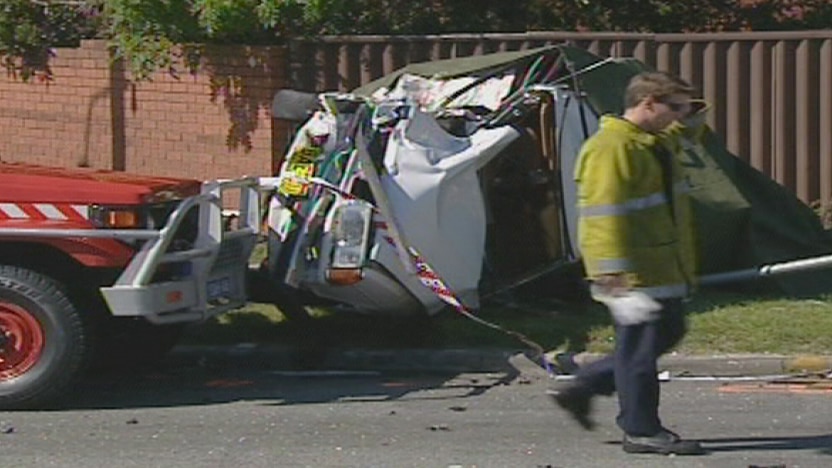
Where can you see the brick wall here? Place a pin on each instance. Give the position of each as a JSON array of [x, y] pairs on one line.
[[213, 123], [64, 122]]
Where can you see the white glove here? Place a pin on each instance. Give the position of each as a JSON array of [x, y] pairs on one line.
[[628, 307]]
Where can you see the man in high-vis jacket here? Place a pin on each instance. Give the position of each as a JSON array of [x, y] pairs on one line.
[[636, 238]]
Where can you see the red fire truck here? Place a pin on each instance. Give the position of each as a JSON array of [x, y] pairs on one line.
[[103, 268]]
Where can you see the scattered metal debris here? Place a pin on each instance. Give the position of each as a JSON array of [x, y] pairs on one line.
[[811, 383]]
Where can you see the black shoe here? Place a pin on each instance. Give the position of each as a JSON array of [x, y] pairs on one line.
[[577, 402], [672, 434], [665, 443]]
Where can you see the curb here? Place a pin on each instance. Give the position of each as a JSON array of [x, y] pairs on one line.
[[276, 357], [731, 365]]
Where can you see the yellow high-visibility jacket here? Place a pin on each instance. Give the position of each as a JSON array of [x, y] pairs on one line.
[[630, 222]]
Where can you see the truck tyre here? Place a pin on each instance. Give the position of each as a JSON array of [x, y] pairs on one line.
[[44, 342]]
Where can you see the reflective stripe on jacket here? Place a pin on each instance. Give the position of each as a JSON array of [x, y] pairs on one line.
[[627, 223]]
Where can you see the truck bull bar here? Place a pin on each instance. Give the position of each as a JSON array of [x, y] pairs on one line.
[[212, 276]]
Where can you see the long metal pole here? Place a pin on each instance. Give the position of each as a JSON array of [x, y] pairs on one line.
[[774, 269]]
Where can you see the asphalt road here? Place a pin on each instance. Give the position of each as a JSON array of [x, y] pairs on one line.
[[203, 416]]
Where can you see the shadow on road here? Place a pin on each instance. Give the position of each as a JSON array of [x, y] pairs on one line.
[[823, 443], [178, 384], [820, 443]]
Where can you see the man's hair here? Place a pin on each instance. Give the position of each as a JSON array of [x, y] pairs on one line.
[[656, 85]]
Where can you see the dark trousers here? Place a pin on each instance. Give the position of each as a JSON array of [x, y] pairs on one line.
[[632, 369]]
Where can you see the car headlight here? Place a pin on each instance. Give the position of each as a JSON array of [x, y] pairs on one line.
[[350, 234]]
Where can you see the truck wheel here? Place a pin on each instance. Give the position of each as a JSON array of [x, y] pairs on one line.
[[43, 340]]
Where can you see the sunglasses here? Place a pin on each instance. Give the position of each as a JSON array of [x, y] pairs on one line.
[[677, 106]]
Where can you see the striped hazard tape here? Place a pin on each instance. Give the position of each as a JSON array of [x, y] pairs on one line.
[[44, 211]]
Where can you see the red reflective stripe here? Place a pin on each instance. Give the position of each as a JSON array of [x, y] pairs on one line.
[[31, 211], [70, 213], [44, 211], [12, 211]]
